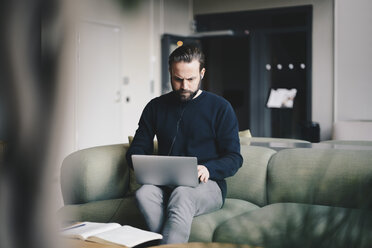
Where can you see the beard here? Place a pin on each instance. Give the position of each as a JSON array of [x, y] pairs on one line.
[[186, 95]]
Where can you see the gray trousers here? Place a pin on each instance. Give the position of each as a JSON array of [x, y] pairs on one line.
[[170, 211]]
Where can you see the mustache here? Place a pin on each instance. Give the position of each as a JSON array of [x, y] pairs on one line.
[[184, 91]]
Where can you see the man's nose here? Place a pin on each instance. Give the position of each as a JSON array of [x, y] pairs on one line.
[[184, 85]]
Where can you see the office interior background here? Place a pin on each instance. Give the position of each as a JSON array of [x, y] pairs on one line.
[[110, 64]]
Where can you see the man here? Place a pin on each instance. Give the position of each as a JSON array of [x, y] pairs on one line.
[[187, 122]]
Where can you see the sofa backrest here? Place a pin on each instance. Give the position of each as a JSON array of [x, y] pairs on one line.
[[334, 177], [250, 140], [249, 183], [93, 174], [349, 142]]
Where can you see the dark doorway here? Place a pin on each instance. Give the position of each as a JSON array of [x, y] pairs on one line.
[[228, 63]]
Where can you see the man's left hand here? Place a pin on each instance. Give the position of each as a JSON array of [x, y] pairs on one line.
[[203, 173]]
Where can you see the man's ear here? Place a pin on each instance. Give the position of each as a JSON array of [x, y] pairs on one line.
[[202, 73]]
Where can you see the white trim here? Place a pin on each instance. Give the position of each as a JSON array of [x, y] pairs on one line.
[[161, 19], [151, 49], [213, 33], [335, 61], [77, 58]]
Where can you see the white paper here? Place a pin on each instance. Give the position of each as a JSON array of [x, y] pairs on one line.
[[281, 98], [110, 233], [126, 236], [88, 229]]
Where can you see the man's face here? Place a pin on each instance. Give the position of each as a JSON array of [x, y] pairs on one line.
[[186, 79]]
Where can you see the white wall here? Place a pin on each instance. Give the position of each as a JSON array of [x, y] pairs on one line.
[[141, 29], [353, 65], [178, 15], [322, 57]]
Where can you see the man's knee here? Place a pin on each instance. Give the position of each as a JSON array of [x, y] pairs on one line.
[[147, 192], [181, 199], [182, 193]]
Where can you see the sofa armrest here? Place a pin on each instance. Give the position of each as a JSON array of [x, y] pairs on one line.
[[98, 173]]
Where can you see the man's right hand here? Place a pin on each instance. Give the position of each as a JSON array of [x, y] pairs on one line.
[[203, 173]]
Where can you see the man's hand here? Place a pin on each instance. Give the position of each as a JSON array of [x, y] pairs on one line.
[[203, 173]]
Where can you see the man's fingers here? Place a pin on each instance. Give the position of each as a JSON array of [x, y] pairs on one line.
[[203, 173], [200, 176], [205, 179]]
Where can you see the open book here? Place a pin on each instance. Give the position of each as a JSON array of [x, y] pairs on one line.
[[110, 233]]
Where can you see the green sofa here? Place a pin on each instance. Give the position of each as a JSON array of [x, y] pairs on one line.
[[277, 199]]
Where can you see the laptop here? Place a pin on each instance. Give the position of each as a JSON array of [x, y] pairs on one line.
[[166, 170]]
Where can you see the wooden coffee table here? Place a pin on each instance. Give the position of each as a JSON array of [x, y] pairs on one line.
[[75, 243], [203, 245]]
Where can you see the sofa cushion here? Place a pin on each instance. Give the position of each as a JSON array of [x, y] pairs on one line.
[[122, 211], [249, 183], [97, 173], [295, 224], [340, 178], [203, 226], [245, 133]]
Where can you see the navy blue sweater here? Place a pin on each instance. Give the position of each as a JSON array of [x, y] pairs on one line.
[[205, 127]]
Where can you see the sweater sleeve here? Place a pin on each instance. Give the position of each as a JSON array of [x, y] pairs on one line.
[[143, 139], [228, 145]]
